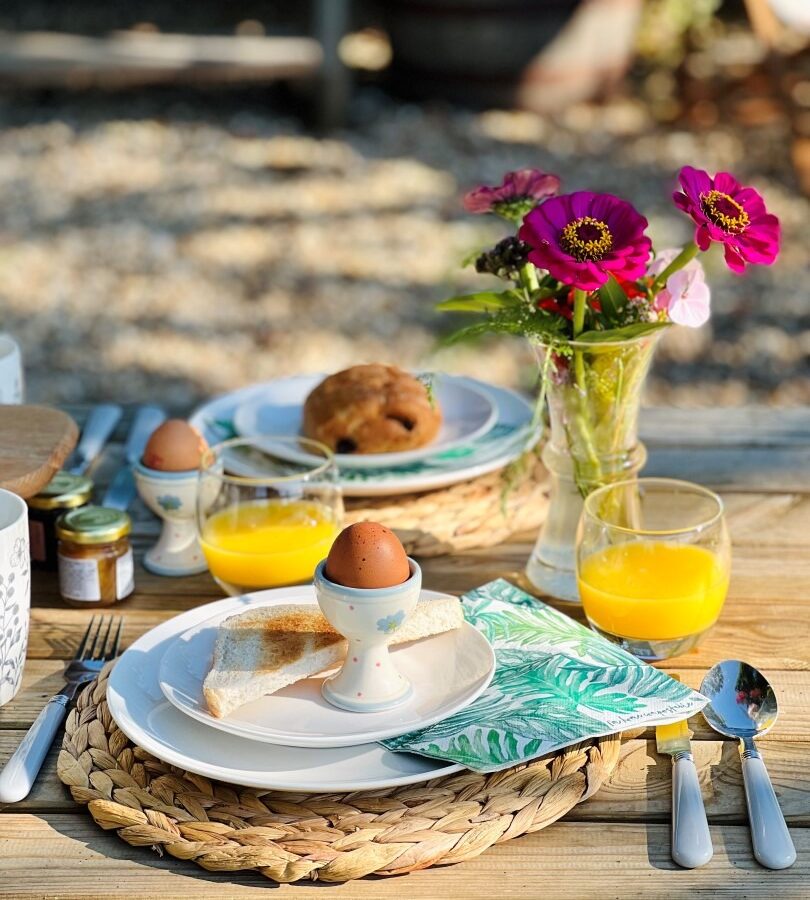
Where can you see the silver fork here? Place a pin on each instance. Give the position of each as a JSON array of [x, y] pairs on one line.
[[20, 772]]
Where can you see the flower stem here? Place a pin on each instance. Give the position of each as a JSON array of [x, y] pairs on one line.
[[578, 323], [580, 303], [689, 252], [582, 417]]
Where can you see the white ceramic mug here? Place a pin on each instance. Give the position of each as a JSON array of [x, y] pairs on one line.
[[15, 592], [11, 370]]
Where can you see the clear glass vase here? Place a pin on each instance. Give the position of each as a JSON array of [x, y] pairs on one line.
[[593, 392]]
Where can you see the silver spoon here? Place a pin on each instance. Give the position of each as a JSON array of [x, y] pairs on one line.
[[743, 705]]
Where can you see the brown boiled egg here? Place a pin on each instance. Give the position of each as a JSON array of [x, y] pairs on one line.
[[174, 447], [367, 555]]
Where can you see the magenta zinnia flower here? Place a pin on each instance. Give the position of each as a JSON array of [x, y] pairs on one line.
[[518, 193], [582, 238], [727, 212]]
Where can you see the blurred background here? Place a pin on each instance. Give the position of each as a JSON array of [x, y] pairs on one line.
[[197, 196]]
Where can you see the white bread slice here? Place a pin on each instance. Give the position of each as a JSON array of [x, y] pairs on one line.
[[263, 650]]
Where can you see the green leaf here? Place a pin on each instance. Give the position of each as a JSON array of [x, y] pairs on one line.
[[468, 333], [612, 298], [625, 333], [483, 301]]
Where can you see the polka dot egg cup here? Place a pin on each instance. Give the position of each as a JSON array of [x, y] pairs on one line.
[[172, 496], [367, 617]]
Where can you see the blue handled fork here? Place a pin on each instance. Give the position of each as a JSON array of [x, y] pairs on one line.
[[98, 646]]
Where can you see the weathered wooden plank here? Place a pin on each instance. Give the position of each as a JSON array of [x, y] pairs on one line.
[[765, 618], [129, 58], [151, 591], [43, 677], [766, 520], [70, 857], [781, 469], [748, 448], [639, 789], [732, 426], [758, 448], [769, 560], [751, 425]]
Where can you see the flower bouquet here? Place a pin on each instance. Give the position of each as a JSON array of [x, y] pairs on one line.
[[586, 289]]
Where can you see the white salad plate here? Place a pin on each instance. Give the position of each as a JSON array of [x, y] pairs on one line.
[[468, 413], [513, 433], [448, 672], [140, 710]]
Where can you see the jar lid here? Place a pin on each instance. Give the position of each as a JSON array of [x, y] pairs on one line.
[[93, 525], [63, 491]]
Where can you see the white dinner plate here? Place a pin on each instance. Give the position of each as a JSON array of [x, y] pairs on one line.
[[513, 433], [145, 716], [468, 412], [448, 672]]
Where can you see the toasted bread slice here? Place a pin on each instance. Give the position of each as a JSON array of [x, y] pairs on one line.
[[263, 650]]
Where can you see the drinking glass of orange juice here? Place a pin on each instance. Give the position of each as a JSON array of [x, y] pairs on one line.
[[653, 564], [268, 510]]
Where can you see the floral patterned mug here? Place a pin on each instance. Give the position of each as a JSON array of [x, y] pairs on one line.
[[15, 592]]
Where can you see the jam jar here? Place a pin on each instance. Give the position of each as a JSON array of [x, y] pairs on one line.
[[95, 556], [63, 492]]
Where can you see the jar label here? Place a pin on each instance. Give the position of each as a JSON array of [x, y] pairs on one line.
[[124, 576], [78, 579]]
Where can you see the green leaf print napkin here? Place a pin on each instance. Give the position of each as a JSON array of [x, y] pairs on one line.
[[556, 682]]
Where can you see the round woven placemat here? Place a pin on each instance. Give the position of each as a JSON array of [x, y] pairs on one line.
[[481, 512], [327, 837]]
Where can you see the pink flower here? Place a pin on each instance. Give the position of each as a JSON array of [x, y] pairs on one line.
[[727, 212], [686, 297], [582, 238], [519, 192]]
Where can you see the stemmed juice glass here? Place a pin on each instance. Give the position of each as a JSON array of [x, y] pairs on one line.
[[264, 520], [653, 564]]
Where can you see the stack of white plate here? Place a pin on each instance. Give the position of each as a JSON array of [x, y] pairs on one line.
[[292, 740], [484, 428]]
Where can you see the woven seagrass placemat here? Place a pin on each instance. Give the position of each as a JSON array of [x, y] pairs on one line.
[[481, 512], [326, 837]]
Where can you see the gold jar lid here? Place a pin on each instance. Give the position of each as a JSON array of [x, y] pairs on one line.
[[93, 525], [63, 491]]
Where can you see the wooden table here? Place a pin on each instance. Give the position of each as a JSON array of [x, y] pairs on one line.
[[614, 845]]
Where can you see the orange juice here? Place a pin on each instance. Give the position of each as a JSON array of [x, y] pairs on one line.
[[653, 590], [267, 543]]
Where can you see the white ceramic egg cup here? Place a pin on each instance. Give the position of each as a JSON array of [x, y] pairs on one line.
[[368, 681], [172, 496]]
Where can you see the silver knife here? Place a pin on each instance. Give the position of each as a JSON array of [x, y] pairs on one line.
[[121, 491], [97, 429]]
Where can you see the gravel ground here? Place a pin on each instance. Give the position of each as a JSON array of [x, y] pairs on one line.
[[173, 247]]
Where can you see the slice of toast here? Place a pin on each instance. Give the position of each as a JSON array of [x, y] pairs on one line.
[[263, 650]]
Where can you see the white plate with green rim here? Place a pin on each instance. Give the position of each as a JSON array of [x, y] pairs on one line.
[[448, 672], [468, 413], [146, 717], [512, 434]]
